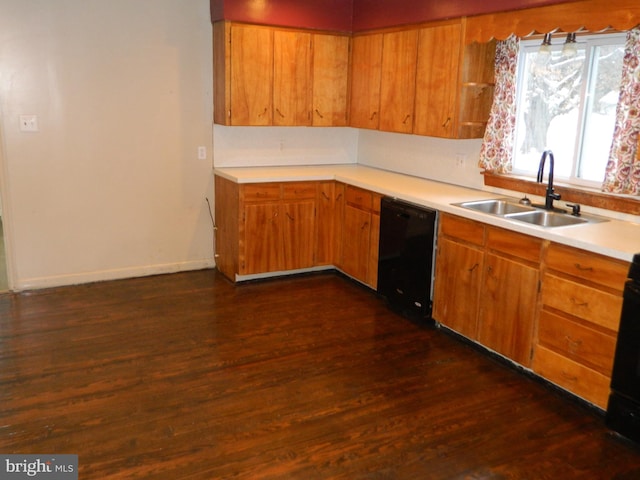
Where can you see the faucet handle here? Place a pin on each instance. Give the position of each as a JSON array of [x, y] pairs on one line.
[[575, 209]]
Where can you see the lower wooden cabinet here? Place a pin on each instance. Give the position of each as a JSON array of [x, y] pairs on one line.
[[284, 226], [265, 227], [578, 323], [486, 285], [361, 235]]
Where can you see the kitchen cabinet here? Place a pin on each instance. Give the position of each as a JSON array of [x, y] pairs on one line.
[[486, 285], [361, 235], [275, 76], [458, 275], [366, 69], [424, 81], [508, 303], [330, 79], [330, 210], [437, 80], [398, 81], [264, 227], [291, 78], [250, 64], [578, 324]]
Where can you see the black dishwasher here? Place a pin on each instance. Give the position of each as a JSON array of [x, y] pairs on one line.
[[406, 256]]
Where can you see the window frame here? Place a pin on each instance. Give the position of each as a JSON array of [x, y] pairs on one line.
[[589, 41]]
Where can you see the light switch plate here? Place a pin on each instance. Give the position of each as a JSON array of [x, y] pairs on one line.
[[202, 153]]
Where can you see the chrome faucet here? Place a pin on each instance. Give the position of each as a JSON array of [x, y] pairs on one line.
[[549, 196]]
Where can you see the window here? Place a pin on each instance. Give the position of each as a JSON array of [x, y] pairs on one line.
[[566, 102]]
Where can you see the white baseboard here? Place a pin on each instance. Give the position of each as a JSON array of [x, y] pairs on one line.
[[115, 274]]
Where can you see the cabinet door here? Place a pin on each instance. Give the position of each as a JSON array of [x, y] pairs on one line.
[[356, 241], [262, 244], [508, 308], [366, 67], [326, 214], [298, 228], [457, 286], [291, 78], [251, 75], [437, 80], [398, 81], [330, 79]]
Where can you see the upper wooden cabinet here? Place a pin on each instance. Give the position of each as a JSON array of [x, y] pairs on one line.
[[423, 81], [274, 76], [366, 68], [437, 80], [330, 79], [398, 81], [291, 78]]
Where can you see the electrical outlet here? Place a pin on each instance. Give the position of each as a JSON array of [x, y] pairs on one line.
[[28, 123], [461, 159], [202, 153]]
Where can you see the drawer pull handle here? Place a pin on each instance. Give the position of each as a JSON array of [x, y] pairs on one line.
[[583, 269], [568, 376], [474, 267], [373, 115], [364, 225], [446, 122], [319, 114], [290, 217], [263, 113], [405, 119], [573, 344], [579, 303], [279, 112], [325, 196]]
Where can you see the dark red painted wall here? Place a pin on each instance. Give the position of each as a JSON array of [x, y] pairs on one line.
[[320, 14], [358, 15]]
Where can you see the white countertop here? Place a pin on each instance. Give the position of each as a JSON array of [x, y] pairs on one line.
[[615, 238]]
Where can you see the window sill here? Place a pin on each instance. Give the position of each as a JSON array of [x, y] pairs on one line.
[[583, 196]]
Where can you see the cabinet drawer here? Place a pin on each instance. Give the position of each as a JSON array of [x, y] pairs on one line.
[[258, 192], [298, 190], [584, 302], [577, 342], [462, 228], [359, 198], [572, 376], [516, 244], [589, 266]]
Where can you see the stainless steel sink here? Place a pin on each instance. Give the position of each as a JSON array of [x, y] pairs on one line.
[[544, 218], [534, 215], [496, 207]]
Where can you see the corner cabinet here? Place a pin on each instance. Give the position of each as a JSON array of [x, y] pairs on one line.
[[275, 76], [287, 226], [487, 284]]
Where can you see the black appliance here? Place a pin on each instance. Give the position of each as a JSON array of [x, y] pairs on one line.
[[623, 411], [406, 256]]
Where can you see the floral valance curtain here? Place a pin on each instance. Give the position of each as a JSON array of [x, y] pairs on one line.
[[623, 168], [497, 145]]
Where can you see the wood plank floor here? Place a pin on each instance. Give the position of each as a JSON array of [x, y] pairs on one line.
[[187, 376]]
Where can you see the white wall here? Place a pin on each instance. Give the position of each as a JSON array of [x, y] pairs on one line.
[[111, 185]]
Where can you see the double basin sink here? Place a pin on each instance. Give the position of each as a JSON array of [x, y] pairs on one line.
[[513, 210]]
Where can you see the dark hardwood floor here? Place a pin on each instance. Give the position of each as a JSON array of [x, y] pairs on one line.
[[187, 376]]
